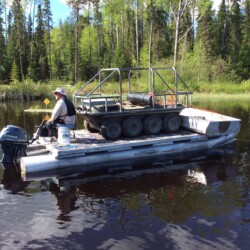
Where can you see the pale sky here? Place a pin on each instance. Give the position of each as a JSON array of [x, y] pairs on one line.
[[217, 4], [61, 11]]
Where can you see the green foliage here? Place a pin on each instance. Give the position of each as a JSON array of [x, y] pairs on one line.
[[88, 51], [144, 56], [224, 87], [14, 74], [235, 34], [243, 66], [2, 47], [206, 32], [39, 67], [121, 59], [222, 28], [197, 65], [215, 50], [61, 47]]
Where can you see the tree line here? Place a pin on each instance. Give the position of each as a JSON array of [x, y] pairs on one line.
[[203, 44]]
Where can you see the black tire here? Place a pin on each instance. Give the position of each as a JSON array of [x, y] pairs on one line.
[[152, 125], [87, 126], [132, 127], [171, 123], [111, 129]]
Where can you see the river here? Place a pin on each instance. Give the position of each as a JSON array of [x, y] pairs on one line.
[[200, 204]]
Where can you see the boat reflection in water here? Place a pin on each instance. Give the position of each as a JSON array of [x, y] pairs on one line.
[[196, 176], [11, 172], [11, 179], [162, 184]]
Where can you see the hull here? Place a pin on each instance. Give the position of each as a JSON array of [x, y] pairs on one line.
[[208, 122], [72, 160]]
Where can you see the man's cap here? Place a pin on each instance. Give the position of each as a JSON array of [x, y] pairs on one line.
[[60, 90]]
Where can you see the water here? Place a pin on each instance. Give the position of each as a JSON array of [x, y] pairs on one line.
[[202, 204]]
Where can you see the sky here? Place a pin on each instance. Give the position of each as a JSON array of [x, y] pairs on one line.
[[61, 11], [216, 4]]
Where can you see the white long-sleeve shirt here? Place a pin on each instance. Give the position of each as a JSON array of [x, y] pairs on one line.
[[60, 111]]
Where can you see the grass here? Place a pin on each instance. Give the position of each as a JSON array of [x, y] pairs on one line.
[[221, 96], [224, 87], [29, 90]]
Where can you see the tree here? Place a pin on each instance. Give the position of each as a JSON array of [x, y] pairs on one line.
[[177, 9], [235, 34], [223, 31], [161, 37], [98, 25], [121, 59], [137, 34], [14, 74], [203, 54], [19, 36], [244, 64], [109, 30], [89, 51], [77, 5], [10, 45], [30, 29], [151, 18], [39, 67], [48, 25], [61, 48], [186, 34], [2, 48], [205, 30], [125, 33]]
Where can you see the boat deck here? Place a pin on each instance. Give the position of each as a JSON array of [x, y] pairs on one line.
[[85, 143], [90, 152]]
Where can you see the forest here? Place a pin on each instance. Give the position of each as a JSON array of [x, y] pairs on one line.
[[203, 44]]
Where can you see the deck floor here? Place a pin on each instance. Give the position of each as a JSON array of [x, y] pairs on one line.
[[86, 143]]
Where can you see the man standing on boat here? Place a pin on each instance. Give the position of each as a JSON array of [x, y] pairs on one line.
[[63, 114]]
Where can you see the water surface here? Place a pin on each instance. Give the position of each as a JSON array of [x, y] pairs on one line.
[[200, 204]]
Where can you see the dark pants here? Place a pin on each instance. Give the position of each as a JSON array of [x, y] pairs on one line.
[[52, 129]]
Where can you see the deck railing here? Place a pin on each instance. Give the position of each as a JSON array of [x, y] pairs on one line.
[[177, 90]]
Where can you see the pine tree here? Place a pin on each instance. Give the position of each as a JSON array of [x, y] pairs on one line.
[[2, 48], [62, 54], [76, 5], [205, 31], [186, 36], [10, 45], [40, 67], [98, 26], [58, 48], [18, 37], [14, 74], [47, 15], [162, 40], [244, 64], [235, 34], [205, 41], [30, 39], [223, 31]]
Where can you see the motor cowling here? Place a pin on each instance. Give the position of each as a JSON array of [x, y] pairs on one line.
[[14, 142]]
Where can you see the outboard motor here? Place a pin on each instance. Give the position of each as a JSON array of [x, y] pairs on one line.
[[14, 142]]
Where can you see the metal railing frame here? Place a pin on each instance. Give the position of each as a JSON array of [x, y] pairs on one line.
[[153, 72]]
